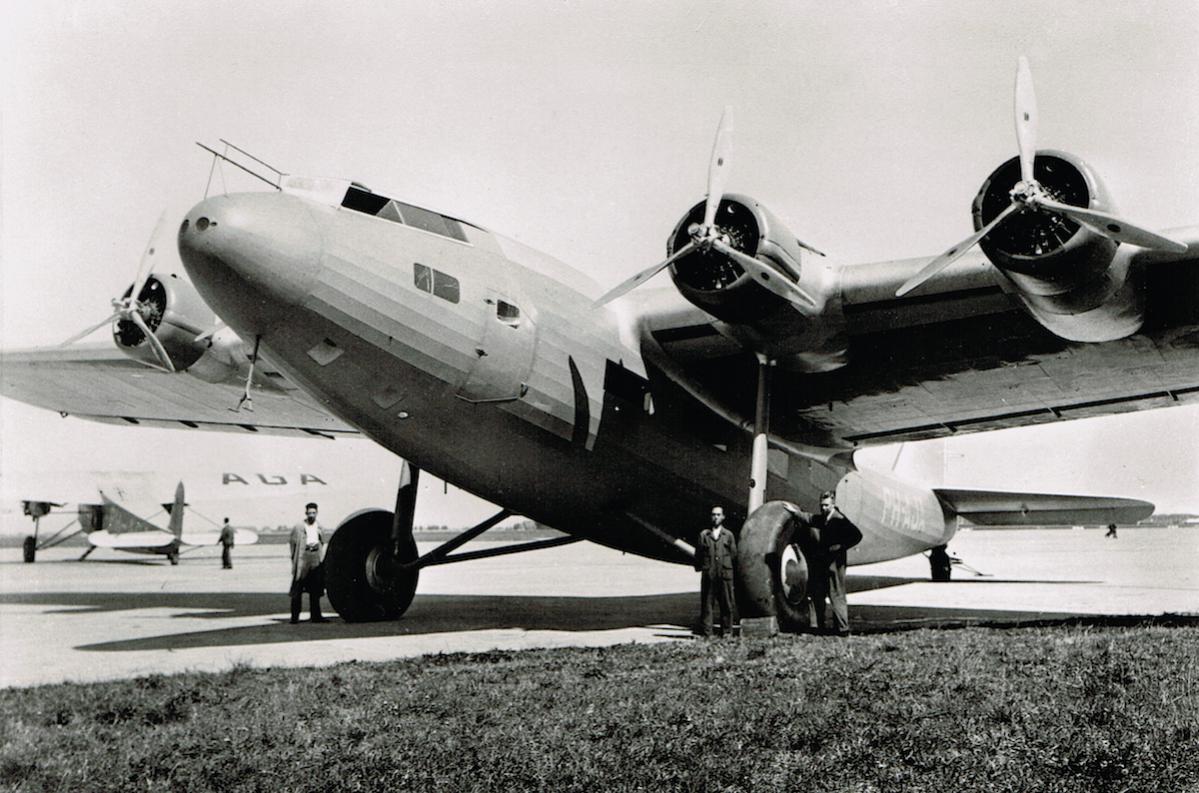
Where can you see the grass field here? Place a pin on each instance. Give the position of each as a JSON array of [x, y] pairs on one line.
[[1061, 708]]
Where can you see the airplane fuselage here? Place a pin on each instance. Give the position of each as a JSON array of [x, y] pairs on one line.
[[483, 362]]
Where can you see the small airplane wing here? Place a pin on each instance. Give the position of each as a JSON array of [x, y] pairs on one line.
[[100, 383], [989, 509]]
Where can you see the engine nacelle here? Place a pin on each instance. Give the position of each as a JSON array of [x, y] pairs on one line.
[[1068, 277], [175, 313], [806, 338]]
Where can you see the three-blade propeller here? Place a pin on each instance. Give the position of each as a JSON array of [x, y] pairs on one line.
[[129, 308], [1029, 196], [708, 236]]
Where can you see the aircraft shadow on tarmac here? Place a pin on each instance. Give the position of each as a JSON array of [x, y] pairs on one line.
[[458, 613]]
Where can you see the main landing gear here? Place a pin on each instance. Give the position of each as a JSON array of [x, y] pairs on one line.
[[771, 567], [940, 563], [772, 571], [33, 543], [372, 565]]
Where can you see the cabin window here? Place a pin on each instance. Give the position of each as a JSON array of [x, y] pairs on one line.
[[435, 282], [507, 313]]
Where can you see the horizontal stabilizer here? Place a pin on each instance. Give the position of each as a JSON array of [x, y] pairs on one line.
[[240, 537], [993, 508], [132, 540]]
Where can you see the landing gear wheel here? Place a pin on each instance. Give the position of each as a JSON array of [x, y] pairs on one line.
[[362, 575], [940, 565], [29, 549], [173, 558], [771, 569]]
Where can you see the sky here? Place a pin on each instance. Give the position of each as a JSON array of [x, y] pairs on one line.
[[582, 129]]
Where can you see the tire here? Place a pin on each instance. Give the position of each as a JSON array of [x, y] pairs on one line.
[[940, 565], [362, 578], [29, 550], [173, 558], [772, 572]]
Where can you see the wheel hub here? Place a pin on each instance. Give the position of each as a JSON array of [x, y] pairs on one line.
[[793, 574]]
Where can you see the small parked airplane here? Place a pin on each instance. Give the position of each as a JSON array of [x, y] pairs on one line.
[[620, 418], [108, 524]]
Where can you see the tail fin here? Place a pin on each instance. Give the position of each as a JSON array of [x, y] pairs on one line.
[[175, 527]]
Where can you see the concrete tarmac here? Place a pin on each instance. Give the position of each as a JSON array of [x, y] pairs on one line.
[[119, 616]]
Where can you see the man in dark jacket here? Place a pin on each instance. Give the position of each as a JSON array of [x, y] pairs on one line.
[[835, 535], [715, 559], [226, 541]]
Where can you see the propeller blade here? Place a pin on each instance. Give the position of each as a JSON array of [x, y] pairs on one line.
[[641, 277], [1113, 227], [1026, 119], [718, 167], [771, 279], [945, 259], [90, 330], [143, 269], [159, 351]]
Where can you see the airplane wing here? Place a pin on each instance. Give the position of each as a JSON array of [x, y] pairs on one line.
[[102, 384], [960, 355]]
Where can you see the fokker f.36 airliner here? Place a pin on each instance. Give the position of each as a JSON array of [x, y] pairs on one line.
[[618, 417]]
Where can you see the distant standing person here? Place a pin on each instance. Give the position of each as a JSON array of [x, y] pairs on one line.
[[226, 541], [307, 565], [715, 559], [1111, 531], [835, 536]]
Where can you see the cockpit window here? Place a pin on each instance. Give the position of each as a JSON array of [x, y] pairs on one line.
[[362, 200], [436, 283]]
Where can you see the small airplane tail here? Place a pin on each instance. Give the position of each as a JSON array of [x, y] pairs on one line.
[[175, 527]]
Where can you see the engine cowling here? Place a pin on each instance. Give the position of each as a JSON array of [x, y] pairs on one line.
[[1068, 277], [809, 338], [174, 312]]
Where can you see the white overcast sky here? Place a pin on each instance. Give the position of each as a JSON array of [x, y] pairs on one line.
[[583, 129]]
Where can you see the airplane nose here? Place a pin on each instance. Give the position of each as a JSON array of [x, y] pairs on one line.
[[251, 254]]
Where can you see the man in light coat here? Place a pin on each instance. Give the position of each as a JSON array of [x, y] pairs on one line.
[[307, 565]]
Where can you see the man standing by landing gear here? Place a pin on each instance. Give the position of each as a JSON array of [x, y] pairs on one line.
[[715, 559], [836, 535], [307, 566]]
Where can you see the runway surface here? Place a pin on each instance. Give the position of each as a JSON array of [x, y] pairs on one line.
[[119, 616]]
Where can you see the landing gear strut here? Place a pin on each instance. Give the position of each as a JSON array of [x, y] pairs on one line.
[[771, 568], [372, 565]]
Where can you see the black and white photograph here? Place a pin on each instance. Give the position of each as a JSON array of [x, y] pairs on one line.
[[565, 395]]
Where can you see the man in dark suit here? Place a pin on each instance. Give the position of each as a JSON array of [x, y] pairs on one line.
[[834, 536], [226, 541], [715, 559]]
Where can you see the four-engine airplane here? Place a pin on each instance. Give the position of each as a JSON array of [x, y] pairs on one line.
[[619, 418]]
